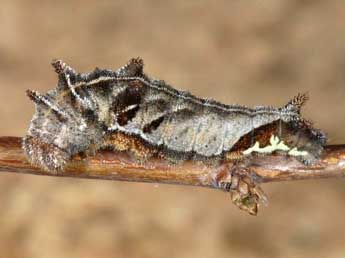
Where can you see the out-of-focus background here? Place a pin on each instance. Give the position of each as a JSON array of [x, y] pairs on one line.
[[258, 52]]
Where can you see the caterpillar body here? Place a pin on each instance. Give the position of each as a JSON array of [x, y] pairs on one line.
[[128, 111]]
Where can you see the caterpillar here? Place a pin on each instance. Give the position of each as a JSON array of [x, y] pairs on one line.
[[128, 111]]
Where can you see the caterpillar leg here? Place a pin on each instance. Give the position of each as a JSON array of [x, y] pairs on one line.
[[245, 193], [47, 156]]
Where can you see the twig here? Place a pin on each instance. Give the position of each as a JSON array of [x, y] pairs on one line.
[[118, 166]]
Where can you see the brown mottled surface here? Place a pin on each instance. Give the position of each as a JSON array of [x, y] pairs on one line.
[[122, 142], [261, 135], [248, 52]]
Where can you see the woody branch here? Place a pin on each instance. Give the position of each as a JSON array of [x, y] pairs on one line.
[[117, 166]]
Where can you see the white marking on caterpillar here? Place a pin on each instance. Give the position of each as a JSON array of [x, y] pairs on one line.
[[296, 152], [85, 102], [275, 145]]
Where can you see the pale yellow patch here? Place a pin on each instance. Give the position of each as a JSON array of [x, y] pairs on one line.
[[275, 145]]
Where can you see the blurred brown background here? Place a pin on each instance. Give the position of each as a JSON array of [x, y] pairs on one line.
[[248, 52]]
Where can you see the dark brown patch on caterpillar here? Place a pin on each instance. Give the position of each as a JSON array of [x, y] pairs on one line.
[[261, 135], [126, 116], [125, 143], [153, 125]]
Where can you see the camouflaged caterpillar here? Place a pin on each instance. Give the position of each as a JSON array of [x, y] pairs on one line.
[[127, 111]]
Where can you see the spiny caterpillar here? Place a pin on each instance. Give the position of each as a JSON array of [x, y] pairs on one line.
[[127, 111]]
